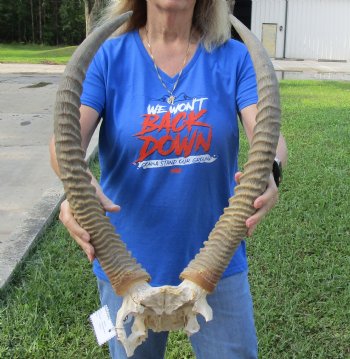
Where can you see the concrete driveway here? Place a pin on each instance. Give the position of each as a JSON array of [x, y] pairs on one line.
[[29, 190]]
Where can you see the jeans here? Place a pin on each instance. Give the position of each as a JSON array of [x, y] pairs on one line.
[[230, 335]]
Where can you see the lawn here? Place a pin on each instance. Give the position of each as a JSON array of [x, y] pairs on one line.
[[35, 54], [299, 257]]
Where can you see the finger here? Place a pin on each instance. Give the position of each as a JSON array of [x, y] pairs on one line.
[[85, 246], [108, 204], [263, 205], [111, 207], [268, 198], [251, 230], [238, 176], [255, 219], [76, 231], [252, 221], [84, 242], [66, 217]]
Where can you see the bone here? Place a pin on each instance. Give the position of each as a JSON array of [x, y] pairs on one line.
[[207, 267], [161, 309], [121, 268]]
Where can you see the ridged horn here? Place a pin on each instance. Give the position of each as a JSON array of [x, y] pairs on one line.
[[209, 264], [116, 261]]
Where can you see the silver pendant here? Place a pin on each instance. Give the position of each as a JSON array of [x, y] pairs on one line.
[[171, 100]]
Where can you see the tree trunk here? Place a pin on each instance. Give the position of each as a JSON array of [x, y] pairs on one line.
[[19, 20], [32, 15], [40, 23], [93, 10], [56, 22]]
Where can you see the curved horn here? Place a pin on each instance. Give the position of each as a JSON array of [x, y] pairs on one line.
[[207, 267], [121, 268]]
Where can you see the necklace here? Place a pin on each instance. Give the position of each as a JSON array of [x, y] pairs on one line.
[[171, 97]]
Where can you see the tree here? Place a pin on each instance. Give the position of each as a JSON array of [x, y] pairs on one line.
[[93, 9], [32, 17], [8, 21], [40, 22], [50, 22], [73, 21]]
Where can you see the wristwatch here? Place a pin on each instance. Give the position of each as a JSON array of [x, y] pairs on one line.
[[277, 171]]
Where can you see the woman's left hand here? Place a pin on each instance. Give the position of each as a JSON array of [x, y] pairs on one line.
[[263, 203]]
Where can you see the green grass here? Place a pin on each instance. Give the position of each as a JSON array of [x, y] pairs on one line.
[[35, 54], [299, 257]]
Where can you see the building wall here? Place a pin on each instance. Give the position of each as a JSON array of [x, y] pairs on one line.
[[314, 29], [318, 29], [269, 12]]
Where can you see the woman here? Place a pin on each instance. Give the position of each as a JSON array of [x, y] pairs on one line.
[[168, 89]]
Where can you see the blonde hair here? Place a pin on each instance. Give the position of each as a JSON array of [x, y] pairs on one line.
[[210, 19]]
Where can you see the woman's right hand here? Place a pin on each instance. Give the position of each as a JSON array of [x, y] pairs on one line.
[[78, 233]]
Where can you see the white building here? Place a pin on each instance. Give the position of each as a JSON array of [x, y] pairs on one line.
[[300, 29]]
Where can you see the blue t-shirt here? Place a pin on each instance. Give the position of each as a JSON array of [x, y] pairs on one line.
[[170, 167]]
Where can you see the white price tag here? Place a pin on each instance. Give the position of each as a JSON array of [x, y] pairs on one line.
[[103, 326]]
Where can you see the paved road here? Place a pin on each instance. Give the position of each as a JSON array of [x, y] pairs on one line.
[[312, 70], [306, 66], [31, 69], [29, 191]]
